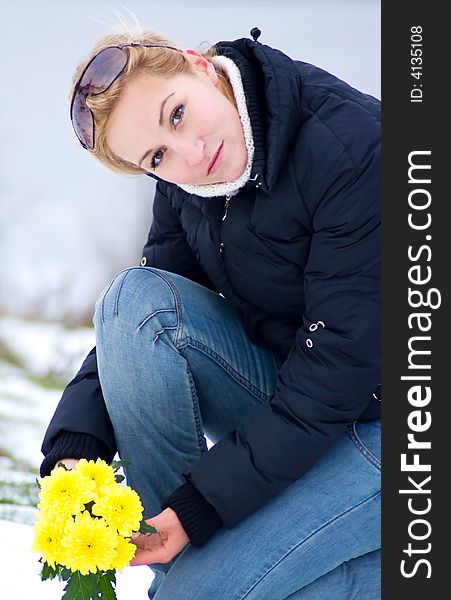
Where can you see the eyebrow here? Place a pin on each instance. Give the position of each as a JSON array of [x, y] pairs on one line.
[[147, 152]]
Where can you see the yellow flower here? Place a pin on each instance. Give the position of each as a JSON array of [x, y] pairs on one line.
[[125, 551], [48, 541], [121, 508], [65, 492], [99, 472], [90, 544]]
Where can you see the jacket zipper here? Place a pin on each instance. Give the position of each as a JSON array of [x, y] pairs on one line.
[[224, 216], [226, 206]]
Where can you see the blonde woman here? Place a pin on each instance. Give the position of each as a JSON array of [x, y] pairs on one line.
[[253, 319]]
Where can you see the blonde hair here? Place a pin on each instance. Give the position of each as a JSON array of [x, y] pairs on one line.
[[158, 62]]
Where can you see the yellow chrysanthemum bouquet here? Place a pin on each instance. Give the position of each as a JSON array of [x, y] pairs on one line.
[[84, 526]]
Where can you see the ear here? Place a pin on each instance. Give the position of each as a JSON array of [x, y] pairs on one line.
[[199, 63]]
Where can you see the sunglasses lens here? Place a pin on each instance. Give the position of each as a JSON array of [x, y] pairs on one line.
[[103, 70], [82, 121], [99, 75]]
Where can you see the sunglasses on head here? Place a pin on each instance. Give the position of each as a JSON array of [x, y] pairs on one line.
[[100, 73]]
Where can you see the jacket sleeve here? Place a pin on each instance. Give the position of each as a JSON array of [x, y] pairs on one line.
[[81, 426], [332, 368]]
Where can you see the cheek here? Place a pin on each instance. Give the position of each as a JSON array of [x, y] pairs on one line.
[[233, 123]]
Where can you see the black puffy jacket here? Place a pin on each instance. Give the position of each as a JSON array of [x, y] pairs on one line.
[[298, 255]]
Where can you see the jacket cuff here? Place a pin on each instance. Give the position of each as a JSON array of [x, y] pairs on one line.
[[69, 444], [198, 517]]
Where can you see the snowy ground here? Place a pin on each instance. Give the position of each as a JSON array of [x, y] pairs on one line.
[[36, 360]]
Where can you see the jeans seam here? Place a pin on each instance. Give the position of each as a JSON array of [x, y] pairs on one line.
[[225, 365], [177, 301], [102, 304], [156, 312], [196, 411], [118, 293], [175, 294], [104, 295], [362, 448], [350, 509]]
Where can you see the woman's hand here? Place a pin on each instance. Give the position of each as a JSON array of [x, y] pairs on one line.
[[160, 547]]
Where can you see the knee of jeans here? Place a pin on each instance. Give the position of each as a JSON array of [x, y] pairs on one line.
[[135, 295]]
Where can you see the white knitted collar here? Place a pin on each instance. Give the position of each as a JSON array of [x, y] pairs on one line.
[[230, 188]]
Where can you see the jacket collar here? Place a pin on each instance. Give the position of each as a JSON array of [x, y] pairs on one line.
[[271, 84]]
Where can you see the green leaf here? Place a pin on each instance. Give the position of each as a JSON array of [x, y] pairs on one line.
[[48, 572], [89, 506], [64, 573], [60, 464], [117, 464], [81, 587], [106, 587], [110, 575], [146, 529], [119, 478], [38, 483]]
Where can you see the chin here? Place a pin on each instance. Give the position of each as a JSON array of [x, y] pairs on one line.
[[236, 172]]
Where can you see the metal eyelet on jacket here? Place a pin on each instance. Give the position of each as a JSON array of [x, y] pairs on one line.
[[143, 261], [313, 327]]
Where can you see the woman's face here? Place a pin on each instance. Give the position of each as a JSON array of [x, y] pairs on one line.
[[175, 128]]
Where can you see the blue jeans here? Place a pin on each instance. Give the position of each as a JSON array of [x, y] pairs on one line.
[[176, 365]]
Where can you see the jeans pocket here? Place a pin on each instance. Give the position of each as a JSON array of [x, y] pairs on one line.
[[366, 436]]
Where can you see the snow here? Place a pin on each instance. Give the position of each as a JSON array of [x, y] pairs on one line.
[[20, 570], [40, 351], [46, 347]]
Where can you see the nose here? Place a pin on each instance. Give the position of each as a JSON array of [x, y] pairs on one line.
[[191, 150]]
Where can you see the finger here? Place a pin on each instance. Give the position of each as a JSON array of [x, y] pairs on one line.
[[138, 539], [148, 545], [147, 542], [147, 557]]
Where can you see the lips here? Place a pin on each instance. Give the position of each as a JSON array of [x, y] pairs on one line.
[[214, 162]]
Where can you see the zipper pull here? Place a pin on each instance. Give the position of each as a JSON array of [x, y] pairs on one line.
[[256, 33], [226, 206]]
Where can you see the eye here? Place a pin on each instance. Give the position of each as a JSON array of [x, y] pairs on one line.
[[157, 159], [177, 115], [176, 118]]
